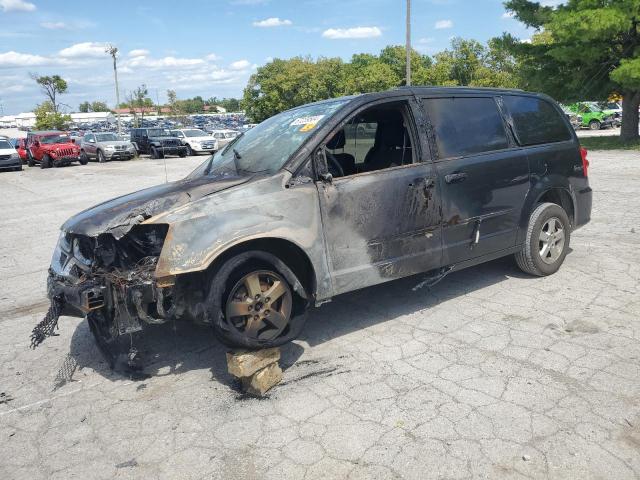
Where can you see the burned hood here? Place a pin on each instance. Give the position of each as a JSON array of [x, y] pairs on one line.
[[119, 215]]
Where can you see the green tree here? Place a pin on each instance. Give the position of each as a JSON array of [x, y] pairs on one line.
[[51, 86], [584, 49], [49, 119], [97, 106], [84, 107]]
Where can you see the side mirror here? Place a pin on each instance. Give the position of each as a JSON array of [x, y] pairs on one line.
[[326, 177]]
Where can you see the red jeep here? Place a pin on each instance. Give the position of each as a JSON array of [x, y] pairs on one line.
[[52, 149], [21, 148]]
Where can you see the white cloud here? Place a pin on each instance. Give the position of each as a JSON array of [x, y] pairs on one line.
[[272, 22], [54, 25], [240, 65], [212, 57], [138, 52], [354, 32], [84, 50], [166, 62], [15, 59], [425, 40], [17, 6], [442, 24], [507, 15]]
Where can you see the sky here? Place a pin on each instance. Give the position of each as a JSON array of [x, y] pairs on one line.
[[209, 48]]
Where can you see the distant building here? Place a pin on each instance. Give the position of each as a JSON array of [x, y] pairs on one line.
[[25, 120], [92, 117], [8, 121]]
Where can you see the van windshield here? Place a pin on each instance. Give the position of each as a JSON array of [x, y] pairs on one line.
[[266, 147]]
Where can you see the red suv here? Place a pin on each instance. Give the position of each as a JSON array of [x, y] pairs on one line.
[[52, 149], [21, 148]]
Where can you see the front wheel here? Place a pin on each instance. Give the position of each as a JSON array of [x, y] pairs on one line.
[[595, 125], [30, 161], [153, 153], [547, 241], [189, 150], [46, 162], [84, 159], [254, 304], [101, 157]]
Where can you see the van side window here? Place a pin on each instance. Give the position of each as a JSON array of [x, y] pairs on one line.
[[536, 121], [466, 126]]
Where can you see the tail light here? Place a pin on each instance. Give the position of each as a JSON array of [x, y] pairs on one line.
[[585, 162]]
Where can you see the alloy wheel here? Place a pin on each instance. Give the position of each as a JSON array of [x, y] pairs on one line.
[[259, 305], [551, 240]]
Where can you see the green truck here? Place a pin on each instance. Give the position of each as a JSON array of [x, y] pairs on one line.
[[593, 117]]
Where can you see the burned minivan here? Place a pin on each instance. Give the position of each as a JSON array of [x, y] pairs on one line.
[[324, 199]]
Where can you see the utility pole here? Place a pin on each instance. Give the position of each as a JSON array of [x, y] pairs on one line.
[[113, 51], [408, 82]]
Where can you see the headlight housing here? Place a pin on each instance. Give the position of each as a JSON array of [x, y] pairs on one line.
[[14, 156]]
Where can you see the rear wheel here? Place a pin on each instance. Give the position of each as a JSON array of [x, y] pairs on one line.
[[595, 125], [547, 240]]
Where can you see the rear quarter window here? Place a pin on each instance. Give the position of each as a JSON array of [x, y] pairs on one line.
[[466, 126], [536, 121]]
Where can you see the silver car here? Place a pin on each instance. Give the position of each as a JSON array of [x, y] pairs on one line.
[[106, 146]]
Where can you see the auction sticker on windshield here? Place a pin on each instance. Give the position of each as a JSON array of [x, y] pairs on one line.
[[308, 123]]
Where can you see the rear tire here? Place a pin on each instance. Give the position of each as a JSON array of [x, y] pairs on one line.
[[287, 311], [547, 241]]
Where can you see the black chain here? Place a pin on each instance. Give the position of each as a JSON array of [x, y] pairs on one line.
[[48, 325]]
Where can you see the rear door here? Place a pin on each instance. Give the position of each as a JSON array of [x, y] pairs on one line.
[[483, 176]]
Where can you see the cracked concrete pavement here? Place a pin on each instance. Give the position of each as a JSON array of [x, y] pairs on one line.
[[490, 374]]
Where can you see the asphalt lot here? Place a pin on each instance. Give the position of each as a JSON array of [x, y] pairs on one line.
[[490, 374]]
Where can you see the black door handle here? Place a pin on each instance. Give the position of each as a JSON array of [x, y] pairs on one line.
[[455, 177]]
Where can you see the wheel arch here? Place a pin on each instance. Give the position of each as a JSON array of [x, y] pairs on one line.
[[547, 192], [288, 252]]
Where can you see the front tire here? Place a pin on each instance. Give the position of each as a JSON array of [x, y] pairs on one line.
[[252, 303], [190, 152], [547, 241], [30, 161], [595, 125], [84, 159], [101, 157], [46, 162], [153, 153]]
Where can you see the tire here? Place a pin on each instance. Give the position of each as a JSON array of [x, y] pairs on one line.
[[540, 258], [595, 125], [30, 161], [190, 151], [84, 159], [279, 321], [153, 153], [46, 162], [100, 156]]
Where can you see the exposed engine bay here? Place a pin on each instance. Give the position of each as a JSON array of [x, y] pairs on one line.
[[111, 282]]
